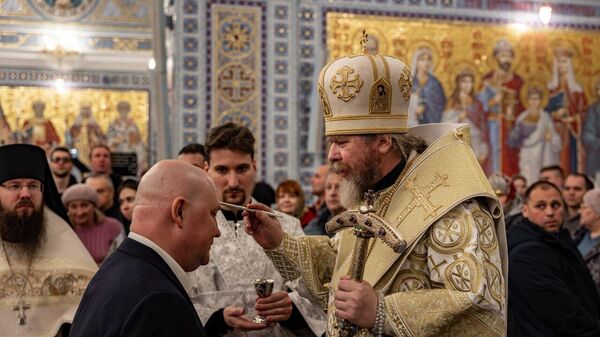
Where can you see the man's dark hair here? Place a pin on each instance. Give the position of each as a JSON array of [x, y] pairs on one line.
[[193, 148], [544, 185], [553, 168], [59, 149], [589, 184], [131, 184], [231, 137], [518, 176]]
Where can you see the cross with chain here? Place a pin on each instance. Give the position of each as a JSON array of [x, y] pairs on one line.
[[345, 86], [20, 308]]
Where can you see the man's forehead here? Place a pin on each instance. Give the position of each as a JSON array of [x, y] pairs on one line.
[[550, 173], [574, 181], [339, 138], [61, 154], [100, 151], [549, 194], [225, 157], [21, 181]]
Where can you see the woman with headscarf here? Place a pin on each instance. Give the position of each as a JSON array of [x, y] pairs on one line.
[[100, 234], [428, 97], [567, 105]]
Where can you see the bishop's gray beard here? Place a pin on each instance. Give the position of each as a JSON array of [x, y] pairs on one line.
[[25, 232], [358, 180], [350, 194]]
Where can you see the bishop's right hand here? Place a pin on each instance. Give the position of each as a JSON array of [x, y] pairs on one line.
[[265, 230]]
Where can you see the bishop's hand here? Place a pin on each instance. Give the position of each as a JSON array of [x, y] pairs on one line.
[[356, 302], [265, 230]]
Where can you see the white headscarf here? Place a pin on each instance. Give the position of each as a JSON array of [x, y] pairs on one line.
[[574, 86]]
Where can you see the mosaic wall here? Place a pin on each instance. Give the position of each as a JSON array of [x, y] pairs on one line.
[[61, 38], [288, 44]]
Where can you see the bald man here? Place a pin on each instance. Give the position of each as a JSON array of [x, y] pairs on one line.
[[142, 289]]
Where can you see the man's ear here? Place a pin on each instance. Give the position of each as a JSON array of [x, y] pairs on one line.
[[384, 143], [177, 211], [525, 211]]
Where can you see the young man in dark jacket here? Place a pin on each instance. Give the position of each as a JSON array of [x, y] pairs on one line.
[[551, 292]]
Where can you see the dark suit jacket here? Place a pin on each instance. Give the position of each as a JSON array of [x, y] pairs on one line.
[[135, 293]]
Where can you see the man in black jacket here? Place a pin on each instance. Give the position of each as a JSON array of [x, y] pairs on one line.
[[550, 290], [142, 288]]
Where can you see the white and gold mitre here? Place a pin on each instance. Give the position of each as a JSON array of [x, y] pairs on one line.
[[365, 94]]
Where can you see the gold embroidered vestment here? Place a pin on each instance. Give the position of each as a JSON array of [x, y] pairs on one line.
[[451, 281]]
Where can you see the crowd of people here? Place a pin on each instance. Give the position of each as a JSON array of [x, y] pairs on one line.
[[427, 252]]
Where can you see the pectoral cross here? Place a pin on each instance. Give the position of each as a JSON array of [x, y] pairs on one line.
[[21, 307]]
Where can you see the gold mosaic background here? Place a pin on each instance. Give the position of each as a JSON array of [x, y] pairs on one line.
[[63, 108], [457, 45]]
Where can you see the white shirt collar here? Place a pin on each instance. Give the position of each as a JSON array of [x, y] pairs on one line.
[[181, 275]]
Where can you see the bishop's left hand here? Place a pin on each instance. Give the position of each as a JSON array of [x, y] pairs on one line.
[[356, 302], [275, 308]]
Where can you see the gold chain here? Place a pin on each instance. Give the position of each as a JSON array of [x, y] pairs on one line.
[[20, 294]]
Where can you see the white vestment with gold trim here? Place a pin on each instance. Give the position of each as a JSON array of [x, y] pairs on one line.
[[53, 287]]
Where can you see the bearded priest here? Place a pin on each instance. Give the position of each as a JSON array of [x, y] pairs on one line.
[[44, 267]]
